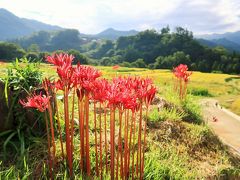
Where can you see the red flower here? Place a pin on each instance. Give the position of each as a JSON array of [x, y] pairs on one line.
[[150, 94], [84, 77], [116, 67], [36, 101], [114, 95], [60, 59], [186, 76], [64, 67], [100, 90], [58, 85], [181, 72]]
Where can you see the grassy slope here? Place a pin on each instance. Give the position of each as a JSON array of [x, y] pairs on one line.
[[177, 149]]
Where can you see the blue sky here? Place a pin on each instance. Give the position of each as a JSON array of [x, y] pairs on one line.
[[93, 16]]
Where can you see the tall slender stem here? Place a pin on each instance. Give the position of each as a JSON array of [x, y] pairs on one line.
[[119, 142], [52, 130], [59, 125], [81, 127], [95, 129], [87, 135], [130, 140], [133, 150], [49, 146], [72, 122], [100, 127], [80, 131], [139, 142], [105, 136], [112, 134], [68, 140], [126, 144], [82, 135]]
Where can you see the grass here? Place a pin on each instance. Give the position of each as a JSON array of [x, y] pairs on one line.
[[180, 146], [180, 150]]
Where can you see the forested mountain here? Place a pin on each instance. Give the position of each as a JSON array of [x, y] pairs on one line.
[[231, 36], [51, 41], [229, 40], [113, 34], [150, 48], [230, 45], [166, 49], [14, 27]]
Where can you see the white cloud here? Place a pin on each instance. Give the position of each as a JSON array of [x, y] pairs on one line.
[[91, 16]]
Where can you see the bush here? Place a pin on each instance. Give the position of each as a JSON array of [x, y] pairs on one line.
[[31, 56], [200, 92], [22, 78], [10, 51]]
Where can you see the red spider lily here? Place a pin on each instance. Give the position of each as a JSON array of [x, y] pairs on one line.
[[100, 90], [60, 59], [150, 94], [65, 71], [113, 95], [180, 70], [182, 74], [42, 103], [66, 76], [116, 67], [186, 76], [84, 76], [58, 85], [38, 102], [124, 95]]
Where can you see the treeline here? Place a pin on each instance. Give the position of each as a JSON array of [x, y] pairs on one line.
[[166, 49], [10, 51], [150, 48]]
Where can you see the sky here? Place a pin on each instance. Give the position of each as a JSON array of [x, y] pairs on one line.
[[93, 16]]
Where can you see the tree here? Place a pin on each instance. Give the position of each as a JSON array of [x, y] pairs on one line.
[[78, 56], [33, 48], [139, 63], [103, 49], [66, 39], [32, 56], [106, 61], [10, 51]]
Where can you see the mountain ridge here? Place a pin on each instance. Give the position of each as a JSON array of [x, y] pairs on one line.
[[15, 27], [113, 34]]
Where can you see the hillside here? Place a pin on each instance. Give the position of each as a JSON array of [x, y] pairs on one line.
[[231, 36], [229, 40], [113, 34], [13, 26], [230, 45]]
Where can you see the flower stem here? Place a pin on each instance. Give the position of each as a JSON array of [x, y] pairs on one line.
[[96, 150], [88, 166], [100, 126], [112, 135], [49, 146], [59, 125], [67, 131]]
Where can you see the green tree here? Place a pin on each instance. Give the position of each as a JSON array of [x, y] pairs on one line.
[[78, 56], [10, 51], [66, 39]]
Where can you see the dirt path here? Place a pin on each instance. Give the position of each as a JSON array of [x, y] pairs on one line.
[[224, 123]]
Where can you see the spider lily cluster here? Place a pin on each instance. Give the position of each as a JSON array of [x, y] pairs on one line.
[[120, 109], [182, 76]]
